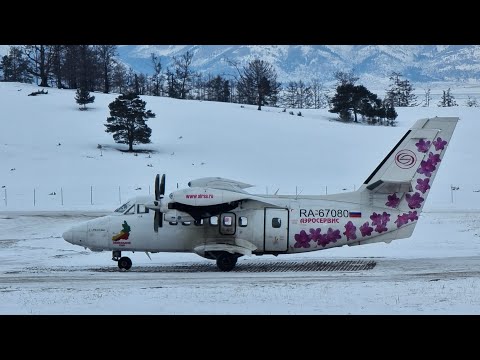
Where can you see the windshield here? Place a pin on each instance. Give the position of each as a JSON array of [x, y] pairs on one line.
[[124, 207]]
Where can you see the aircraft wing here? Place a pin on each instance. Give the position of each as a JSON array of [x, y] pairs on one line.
[[219, 183]]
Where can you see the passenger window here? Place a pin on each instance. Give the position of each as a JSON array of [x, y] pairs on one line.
[[242, 221], [227, 224], [198, 222], [186, 223], [214, 220], [276, 223]]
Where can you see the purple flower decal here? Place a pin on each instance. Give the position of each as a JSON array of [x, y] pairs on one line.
[[380, 228], [302, 240], [376, 218], [315, 234], [333, 235], [401, 220], [414, 201], [412, 215], [404, 218], [350, 231], [323, 240], [393, 201], [380, 221], [366, 230], [423, 145], [426, 168], [434, 159], [422, 185], [439, 144]]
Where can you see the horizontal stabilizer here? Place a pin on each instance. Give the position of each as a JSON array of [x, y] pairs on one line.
[[388, 187]]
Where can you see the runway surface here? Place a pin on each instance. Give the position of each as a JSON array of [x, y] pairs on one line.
[[42, 274]]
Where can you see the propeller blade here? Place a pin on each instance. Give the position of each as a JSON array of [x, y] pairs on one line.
[[155, 221], [162, 186], [157, 187], [159, 192]]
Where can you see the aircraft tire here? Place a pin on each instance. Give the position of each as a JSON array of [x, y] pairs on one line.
[[125, 263], [226, 261]]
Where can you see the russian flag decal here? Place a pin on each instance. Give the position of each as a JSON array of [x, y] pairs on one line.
[[355, 214]]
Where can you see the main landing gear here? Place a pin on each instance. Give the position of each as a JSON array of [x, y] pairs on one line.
[[123, 261], [226, 261]]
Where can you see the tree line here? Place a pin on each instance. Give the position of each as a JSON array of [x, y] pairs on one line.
[[98, 68]]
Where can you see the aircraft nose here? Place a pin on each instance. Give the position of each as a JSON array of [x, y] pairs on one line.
[[76, 235], [68, 236]]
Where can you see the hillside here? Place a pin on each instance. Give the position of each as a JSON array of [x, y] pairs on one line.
[[419, 63], [48, 146]]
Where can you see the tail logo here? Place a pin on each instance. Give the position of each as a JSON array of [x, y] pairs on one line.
[[405, 159]]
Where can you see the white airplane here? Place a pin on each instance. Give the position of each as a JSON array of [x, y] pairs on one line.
[[217, 219]]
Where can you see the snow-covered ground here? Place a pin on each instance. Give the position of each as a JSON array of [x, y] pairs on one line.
[[53, 175]]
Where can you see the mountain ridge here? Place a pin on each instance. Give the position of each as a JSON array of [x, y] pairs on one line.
[[418, 63]]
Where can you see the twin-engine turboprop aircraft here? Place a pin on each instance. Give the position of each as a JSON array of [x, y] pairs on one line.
[[217, 219]]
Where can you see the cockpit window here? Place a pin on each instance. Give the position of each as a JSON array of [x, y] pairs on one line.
[[131, 210], [124, 207]]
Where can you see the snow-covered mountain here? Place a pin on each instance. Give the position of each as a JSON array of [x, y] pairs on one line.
[[373, 63]]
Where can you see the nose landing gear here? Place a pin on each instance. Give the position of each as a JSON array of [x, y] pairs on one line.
[[123, 261]]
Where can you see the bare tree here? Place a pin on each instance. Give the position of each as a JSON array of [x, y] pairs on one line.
[[428, 97], [318, 94], [41, 60], [183, 73], [106, 57]]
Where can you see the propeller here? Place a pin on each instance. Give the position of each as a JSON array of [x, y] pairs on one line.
[[159, 192]]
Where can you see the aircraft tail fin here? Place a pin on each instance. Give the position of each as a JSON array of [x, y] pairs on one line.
[[403, 179]]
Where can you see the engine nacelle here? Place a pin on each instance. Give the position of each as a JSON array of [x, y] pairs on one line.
[[177, 216]]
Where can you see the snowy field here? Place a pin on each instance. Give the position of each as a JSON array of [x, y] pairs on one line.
[[53, 175]]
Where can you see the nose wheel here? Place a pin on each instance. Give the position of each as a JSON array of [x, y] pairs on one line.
[[124, 262]]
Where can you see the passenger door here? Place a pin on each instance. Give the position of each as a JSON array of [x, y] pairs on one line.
[[276, 230]]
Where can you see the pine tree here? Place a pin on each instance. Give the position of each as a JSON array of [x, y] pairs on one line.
[[15, 66], [258, 84], [359, 100], [127, 120], [401, 91], [82, 97], [447, 99]]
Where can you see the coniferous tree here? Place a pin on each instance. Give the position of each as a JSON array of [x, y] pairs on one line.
[[359, 100], [258, 84], [471, 102], [127, 120], [15, 66], [401, 91], [447, 99], [82, 97], [344, 78], [157, 77]]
